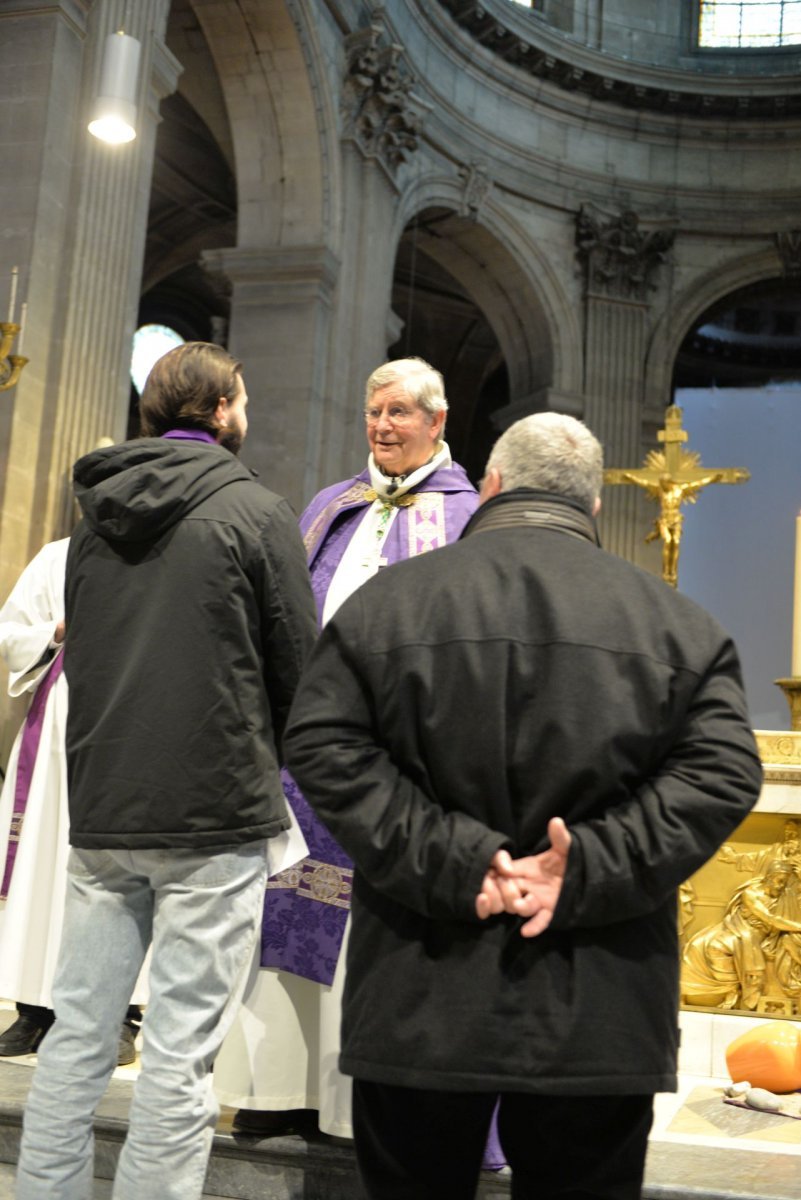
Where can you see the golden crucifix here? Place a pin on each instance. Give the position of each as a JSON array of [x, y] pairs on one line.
[[673, 476]]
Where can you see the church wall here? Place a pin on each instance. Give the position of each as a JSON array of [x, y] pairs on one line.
[[528, 151], [520, 153], [284, 268], [81, 213], [647, 31], [38, 139], [362, 320], [44, 51], [721, 188], [517, 157], [552, 145]]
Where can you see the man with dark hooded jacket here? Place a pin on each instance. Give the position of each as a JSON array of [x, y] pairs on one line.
[[189, 614], [525, 744]]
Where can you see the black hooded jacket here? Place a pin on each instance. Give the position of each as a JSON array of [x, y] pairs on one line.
[[189, 616], [454, 705]]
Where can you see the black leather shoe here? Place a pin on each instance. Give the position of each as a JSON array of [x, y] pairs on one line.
[[254, 1122], [127, 1050], [23, 1037]]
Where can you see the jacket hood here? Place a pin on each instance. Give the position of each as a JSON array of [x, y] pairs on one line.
[[137, 490]]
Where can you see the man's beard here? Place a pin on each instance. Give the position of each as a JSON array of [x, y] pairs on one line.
[[231, 438]]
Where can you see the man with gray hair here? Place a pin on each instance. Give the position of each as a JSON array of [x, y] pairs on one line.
[[410, 499], [525, 744]]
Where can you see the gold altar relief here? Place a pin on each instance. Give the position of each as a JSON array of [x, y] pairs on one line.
[[740, 922], [673, 477]]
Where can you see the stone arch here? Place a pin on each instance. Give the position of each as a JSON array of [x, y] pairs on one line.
[[510, 279], [678, 318], [282, 121]]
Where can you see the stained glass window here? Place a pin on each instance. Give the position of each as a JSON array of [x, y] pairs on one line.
[[741, 24]]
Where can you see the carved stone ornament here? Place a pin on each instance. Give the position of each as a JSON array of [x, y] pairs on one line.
[[477, 186], [381, 114], [619, 258], [789, 246]]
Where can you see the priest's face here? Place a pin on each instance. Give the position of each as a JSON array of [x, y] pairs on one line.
[[402, 435], [235, 419]]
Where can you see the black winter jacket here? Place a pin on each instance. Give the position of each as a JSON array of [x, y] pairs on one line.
[[189, 615], [453, 706]]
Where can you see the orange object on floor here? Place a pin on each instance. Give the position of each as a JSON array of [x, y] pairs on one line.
[[768, 1056]]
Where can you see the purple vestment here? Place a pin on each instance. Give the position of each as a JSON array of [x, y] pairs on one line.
[[306, 907], [29, 748]]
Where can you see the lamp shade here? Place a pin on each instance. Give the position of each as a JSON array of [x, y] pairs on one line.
[[114, 111]]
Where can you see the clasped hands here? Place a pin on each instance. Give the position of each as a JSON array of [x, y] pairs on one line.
[[527, 887]]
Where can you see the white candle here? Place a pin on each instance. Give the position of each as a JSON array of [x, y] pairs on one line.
[[795, 669], [12, 304], [23, 312]]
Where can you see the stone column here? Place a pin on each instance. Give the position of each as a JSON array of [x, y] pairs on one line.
[[382, 117], [77, 212], [80, 223], [364, 324], [620, 261], [280, 329]]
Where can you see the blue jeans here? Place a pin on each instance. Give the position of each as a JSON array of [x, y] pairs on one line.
[[202, 912]]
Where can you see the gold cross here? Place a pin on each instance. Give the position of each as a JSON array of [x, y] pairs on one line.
[[673, 476]]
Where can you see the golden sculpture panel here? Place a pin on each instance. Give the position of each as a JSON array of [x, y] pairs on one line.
[[740, 922]]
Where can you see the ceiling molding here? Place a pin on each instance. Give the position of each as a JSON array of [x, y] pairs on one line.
[[541, 52]]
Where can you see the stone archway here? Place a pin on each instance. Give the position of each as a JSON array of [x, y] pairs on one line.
[[284, 267], [465, 297], [680, 316], [281, 121]]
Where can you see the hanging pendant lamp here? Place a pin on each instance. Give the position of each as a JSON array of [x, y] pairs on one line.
[[114, 112]]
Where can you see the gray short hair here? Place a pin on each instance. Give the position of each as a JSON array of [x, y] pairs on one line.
[[419, 380], [553, 453]]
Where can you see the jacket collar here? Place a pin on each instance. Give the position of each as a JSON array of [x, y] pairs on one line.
[[528, 508]]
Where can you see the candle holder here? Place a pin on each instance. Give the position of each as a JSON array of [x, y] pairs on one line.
[[792, 693], [10, 364]]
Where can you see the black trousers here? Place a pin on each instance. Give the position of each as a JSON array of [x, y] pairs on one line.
[[414, 1144]]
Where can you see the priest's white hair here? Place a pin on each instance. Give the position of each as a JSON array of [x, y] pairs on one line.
[[421, 382], [553, 453]]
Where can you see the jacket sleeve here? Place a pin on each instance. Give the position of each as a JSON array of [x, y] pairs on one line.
[[405, 845], [289, 619], [28, 622], [629, 861]]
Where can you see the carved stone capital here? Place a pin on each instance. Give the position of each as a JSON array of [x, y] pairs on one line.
[[275, 275], [789, 246], [619, 258], [381, 113]]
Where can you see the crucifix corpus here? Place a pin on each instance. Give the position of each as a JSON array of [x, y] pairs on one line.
[[673, 476]]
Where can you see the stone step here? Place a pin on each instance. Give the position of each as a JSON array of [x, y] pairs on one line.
[[314, 1167], [102, 1187], [311, 1167]]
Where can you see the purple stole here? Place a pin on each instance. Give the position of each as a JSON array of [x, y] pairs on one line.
[[306, 907], [29, 748]]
